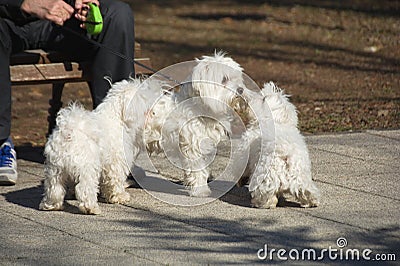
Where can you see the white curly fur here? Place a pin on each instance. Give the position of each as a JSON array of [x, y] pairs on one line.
[[94, 150], [216, 82], [178, 131], [88, 149], [288, 168], [278, 160]]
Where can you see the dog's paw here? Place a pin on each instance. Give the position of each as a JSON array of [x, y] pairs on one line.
[[308, 199], [85, 209], [120, 198], [262, 204], [44, 206], [310, 204], [200, 191]]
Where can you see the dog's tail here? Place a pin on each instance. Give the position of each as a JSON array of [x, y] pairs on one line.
[[75, 133], [68, 116], [74, 122]]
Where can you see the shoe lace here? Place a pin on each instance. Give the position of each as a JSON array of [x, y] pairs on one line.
[[6, 157]]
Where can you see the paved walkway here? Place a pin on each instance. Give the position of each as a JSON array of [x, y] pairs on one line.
[[358, 174]]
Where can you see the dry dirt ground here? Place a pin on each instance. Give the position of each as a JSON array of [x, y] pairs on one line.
[[340, 60]]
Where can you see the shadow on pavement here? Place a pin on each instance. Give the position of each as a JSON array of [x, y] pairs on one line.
[[30, 153]]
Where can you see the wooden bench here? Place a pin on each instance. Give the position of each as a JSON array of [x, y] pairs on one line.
[[36, 67]]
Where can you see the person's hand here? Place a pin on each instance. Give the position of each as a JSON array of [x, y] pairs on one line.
[[81, 9], [56, 11], [79, 4]]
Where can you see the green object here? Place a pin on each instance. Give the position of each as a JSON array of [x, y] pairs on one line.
[[94, 22]]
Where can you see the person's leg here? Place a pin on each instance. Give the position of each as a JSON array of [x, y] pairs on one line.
[[118, 35], [13, 38], [5, 82], [8, 163]]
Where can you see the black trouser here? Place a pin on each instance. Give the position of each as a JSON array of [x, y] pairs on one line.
[[18, 33]]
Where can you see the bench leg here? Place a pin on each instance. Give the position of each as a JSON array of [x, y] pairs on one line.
[[55, 106]]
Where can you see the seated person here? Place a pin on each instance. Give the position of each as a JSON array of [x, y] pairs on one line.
[[40, 24]]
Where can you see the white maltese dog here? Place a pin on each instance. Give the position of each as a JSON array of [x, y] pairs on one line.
[[214, 91], [286, 166], [178, 130], [94, 150]]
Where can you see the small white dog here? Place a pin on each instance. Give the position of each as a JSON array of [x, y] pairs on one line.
[[94, 150], [179, 131], [286, 168], [214, 91]]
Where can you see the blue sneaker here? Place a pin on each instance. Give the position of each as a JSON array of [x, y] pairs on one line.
[[8, 163]]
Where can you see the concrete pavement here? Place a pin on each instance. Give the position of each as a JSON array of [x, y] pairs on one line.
[[358, 174]]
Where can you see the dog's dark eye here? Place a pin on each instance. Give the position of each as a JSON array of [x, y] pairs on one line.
[[239, 90]]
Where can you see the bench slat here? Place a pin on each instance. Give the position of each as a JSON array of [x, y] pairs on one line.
[[60, 72], [23, 73], [39, 56]]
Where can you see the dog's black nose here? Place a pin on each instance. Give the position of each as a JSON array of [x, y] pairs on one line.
[[239, 90]]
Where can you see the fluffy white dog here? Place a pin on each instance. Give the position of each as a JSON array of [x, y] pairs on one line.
[[94, 150], [214, 91], [179, 130], [286, 168]]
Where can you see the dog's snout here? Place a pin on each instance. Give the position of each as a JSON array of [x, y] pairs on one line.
[[239, 90]]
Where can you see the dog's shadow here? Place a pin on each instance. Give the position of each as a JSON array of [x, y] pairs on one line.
[[240, 196], [31, 197], [28, 197], [219, 188]]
